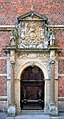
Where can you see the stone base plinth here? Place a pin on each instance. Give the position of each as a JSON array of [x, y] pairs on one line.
[[53, 109], [12, 110]]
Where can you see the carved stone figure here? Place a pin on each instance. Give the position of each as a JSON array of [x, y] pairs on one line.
[[13, 36]]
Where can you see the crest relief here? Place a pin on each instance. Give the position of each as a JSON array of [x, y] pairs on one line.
[[32, 32], [31, 29]]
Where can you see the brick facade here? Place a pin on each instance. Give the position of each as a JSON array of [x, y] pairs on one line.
[[61, 86], [10, 10], [3, 66], [4, 40], [3, 86]]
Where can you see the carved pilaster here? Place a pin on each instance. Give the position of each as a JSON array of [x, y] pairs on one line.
[[12, 107], [12, 83], [52, 63], [8, 67], [53, 109]]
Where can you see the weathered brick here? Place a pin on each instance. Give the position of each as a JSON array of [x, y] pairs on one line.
[[4, 40], [61, 86], [3, 86], [60, 39], [3, 66], [61, 66]]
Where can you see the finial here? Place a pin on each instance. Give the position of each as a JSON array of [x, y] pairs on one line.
[[32, 8]]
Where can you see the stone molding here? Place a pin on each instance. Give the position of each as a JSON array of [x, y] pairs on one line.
[[23, 66], [3, 98], [60, 74], [56, 26], [61, 57], [7, 27], [34, 55], [3, 58], [3, 74], [60, 98], [10, 27]]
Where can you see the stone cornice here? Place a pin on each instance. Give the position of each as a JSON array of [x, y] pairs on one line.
[[54, 47], [15, 48], [7, 27], [61, 98], [3, 98], [3, 57], [60, 74], [32, 50], [3, 74], [8, 49], [10, 27], [56, 26], [60, 58]]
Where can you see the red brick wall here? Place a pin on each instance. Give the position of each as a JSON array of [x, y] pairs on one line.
[[11, 9], [61, 78], [60, 39], [61, 66], [3, 68], [53, 9], [61, 86], [60, 42], [4, 40], [3, 86]]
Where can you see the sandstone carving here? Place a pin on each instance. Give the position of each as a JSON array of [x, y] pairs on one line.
[[32, 35]]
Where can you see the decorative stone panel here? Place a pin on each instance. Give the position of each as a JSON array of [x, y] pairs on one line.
[[32, 34]]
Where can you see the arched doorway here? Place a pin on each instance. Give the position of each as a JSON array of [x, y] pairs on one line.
[[32, 88]]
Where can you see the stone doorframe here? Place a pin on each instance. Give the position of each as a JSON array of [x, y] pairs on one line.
[[51, 80], [17, 82]]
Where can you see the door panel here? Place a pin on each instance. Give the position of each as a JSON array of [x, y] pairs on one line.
[[32, 91]]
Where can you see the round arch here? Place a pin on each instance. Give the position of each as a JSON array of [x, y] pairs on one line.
[[27, 64], [18, 77]]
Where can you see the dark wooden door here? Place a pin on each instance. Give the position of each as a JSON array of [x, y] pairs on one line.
[[32, 89]]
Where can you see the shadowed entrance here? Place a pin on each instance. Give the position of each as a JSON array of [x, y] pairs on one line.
[[32, 88]]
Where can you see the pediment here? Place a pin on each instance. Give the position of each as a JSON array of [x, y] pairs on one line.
[[32, 14]]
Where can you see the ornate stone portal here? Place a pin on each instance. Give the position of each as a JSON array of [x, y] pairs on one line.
[[32, 44]]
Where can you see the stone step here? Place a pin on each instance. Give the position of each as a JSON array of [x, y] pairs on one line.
[[32, 112], [30, 117], [55, 117], [10, 118]]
